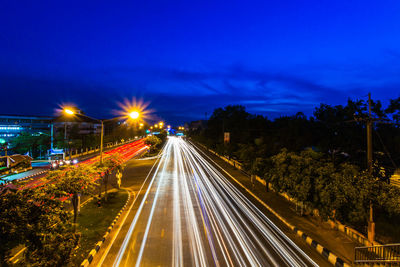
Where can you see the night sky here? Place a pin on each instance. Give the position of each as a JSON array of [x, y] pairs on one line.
[[189, 57]]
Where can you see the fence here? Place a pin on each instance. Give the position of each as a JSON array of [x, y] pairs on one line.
[[381, 254]]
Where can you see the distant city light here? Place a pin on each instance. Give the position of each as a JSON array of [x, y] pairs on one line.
[[10, 128]]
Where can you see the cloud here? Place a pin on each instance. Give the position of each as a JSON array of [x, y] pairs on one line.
[[180, 95]]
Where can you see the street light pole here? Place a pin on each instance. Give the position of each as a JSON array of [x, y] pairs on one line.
[[101, 142], [133, 115], [65, 138]]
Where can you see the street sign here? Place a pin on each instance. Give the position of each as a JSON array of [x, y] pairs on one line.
[[227, 137]]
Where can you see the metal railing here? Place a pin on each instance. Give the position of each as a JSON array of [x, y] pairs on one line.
[[377, 254]]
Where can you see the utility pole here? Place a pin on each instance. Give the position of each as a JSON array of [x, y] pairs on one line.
[[369, 120], [371, 223]]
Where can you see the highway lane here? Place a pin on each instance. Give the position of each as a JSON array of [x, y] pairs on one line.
[[126, 151], [36, 175], [191, 215]]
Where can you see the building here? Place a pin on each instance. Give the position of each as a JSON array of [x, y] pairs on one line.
[[12, 125]]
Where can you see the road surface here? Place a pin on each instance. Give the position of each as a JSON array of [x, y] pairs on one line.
[[126, 152], [191, 215]]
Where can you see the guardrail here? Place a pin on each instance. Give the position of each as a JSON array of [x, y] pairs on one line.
[[382, 254]]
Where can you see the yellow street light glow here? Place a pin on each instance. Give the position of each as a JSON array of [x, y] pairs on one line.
[[134, 115], [69, 111], [151, 127], [141, 124], [156, 126]]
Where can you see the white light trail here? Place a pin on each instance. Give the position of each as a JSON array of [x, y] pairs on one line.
[[213, 222]]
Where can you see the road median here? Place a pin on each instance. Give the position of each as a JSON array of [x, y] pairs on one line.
[[96, 221]]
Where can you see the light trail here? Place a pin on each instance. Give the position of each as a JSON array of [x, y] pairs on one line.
[[211, 224], [126, 151], [136, 218]]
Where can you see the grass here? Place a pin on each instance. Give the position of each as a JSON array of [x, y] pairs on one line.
[[93, 222]]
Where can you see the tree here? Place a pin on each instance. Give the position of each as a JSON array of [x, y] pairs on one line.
[[153, 141], [33, 144], [74, 181], [35, 218], [111, 163], [394, 109]]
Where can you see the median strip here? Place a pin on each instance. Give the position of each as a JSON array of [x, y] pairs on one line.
[[98, 245]]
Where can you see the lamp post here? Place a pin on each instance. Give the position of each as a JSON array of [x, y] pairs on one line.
[[133, 115]]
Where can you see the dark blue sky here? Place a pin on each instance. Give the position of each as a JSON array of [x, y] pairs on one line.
[[189, 57]]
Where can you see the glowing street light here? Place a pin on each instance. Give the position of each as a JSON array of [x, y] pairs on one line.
[[69, 111], [134, 115], [134, 112]]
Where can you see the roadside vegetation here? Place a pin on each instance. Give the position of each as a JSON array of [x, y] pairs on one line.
[[155, 142], [41, 218], [321, 160]]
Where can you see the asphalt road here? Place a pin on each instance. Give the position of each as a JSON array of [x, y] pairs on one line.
[[189, 214]]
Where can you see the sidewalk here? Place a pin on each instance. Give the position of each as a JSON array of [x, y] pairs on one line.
[[337, 242]]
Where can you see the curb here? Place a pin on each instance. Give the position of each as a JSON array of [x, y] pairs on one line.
[[24, 178], [32, 175], [326, 253], [93, 252]]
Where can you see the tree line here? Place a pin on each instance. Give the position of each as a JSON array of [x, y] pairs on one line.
[[319, 160]]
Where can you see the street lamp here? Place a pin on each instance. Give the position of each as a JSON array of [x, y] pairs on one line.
[[69, 111], [133, 115]]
